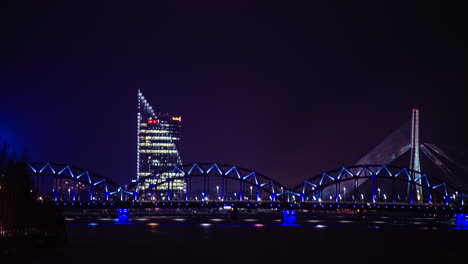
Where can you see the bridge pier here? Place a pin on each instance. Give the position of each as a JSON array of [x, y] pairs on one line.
[[123, 215], [233, 214], [289, 217], [462, 221]]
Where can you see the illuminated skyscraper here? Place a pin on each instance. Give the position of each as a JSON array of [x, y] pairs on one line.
[[158, 143]]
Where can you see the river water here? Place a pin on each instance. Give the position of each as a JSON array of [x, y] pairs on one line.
[[253, 240]]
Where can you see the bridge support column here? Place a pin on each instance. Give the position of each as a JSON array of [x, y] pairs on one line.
[[123, 215], [462, 221], [289, 217]]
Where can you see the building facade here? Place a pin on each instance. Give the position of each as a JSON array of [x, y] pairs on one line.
[[158, 144]]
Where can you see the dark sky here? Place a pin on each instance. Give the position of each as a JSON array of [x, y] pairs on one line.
[[286, 90]]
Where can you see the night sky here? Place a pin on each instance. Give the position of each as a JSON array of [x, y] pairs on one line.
[[286, 90]]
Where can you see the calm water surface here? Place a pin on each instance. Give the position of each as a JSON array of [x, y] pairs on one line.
[[213, 240]]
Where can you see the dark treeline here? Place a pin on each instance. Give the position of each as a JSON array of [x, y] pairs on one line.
[[19, 208]]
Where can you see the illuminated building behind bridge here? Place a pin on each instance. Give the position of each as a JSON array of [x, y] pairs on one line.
[[158, 143]]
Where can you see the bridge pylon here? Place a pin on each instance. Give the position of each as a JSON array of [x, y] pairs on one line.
[[415, 161]]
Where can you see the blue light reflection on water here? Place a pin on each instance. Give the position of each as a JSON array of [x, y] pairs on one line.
[[124, 223], [136, 222]]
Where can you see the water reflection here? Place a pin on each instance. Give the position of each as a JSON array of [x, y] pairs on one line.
[[106, 219], [153, 227]]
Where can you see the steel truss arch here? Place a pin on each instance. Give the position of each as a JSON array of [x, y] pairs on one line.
[[57, 181], [232, 183], [400, 182]]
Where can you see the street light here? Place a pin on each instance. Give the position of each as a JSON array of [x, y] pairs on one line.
[[217, 190], [250, 193]]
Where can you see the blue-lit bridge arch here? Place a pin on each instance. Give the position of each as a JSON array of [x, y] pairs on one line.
[[377, 184], [223, 182], [63, 182], [208, 182]]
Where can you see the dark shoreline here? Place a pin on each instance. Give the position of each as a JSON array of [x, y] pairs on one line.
[[32, 242]]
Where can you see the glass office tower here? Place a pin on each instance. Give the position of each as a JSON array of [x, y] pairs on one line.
[[158, 143]]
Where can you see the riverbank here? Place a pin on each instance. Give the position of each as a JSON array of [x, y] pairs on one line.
[[31, 241]]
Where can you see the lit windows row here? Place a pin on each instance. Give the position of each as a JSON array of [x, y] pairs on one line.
[[164, 176], [159, 125], [147, 144], [159, 138], [166, 151], [153, 131]]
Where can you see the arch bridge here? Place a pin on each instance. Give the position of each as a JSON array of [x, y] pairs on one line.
[[215, 184]]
